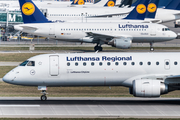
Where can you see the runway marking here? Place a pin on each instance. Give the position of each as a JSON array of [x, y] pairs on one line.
[[19, 105], [19, 51]]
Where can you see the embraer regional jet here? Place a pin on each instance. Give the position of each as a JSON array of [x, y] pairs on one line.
[[146, 74]]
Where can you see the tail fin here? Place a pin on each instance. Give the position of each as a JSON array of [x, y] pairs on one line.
[[30, 12], [136, 3], [152, 9], [163, 3], [126, 3], [110, 3], [174, 4], [78, 2], [139, 12]]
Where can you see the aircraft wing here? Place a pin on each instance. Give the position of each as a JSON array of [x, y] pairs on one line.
[[98, 35], [173, 80]]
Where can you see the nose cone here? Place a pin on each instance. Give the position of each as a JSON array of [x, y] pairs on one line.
[[8, 78], [173, 35]]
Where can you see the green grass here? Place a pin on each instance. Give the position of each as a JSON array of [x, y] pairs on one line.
[[8, 90], [83, 48], [16, 57]]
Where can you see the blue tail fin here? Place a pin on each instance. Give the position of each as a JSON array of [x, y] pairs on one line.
[[78, 2], [30, 12], [139, 12], [152, 9], [163, 3], [136, 3], [110, 3], [174, 4]]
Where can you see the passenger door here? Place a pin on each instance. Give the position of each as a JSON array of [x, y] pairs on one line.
[[54, 65], [153, 30]]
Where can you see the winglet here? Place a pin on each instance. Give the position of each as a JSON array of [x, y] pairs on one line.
[[139, 12], [152, 9], [30, 12]]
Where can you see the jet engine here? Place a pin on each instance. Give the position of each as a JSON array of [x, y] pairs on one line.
[[148, 88], [87, 39], [122, 43]]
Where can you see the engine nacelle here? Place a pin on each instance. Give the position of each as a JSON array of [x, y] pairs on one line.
[[87, 39], [122, 43], [148, 88]]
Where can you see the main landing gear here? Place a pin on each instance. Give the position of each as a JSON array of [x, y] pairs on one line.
[[151, 46], [98, 48], [43, 97]]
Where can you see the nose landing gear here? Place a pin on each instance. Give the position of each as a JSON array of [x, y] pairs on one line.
[[151, 46], [43, 97], [43, 88]]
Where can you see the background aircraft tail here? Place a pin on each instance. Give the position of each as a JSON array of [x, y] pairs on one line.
[[30, 12], [78, 2], [110, 3], [152, 9], [174, 4], [139, 12]]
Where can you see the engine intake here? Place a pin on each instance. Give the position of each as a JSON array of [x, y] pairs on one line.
[[122, 43], [148, 88]]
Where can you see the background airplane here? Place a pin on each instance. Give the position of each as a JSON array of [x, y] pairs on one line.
[[120, 35]]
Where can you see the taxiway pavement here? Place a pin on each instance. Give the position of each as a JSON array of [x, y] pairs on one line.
[[89, 107]]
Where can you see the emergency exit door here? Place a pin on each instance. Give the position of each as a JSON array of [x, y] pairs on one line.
[[51, 30], [54, 65]]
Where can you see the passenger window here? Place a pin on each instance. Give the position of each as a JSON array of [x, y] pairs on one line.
[[100, 63], [116, 63], [124, 63], [84, 63], [68, 64], [149, 63], [157, 63], [140, 63], [76, 64], [92, 64], [108, 63], [24, 63], [31, 63], [175, 63], [167, 63], [133, 63]]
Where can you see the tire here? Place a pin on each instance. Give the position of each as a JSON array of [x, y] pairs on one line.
[[151, 49], [95, 48], [43, 98]]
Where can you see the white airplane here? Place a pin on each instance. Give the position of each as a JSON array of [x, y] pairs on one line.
[[120, 35], [146, 74], [85, 14]]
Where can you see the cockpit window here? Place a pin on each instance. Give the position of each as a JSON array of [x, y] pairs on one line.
[[165, 29], [31, 63], [24, 63]]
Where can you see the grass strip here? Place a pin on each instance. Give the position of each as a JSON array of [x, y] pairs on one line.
[[16, 57], [84, 48]]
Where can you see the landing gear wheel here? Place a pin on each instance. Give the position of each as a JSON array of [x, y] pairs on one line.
[[43, 98], [151, 49], [100, 48], [96, 48]]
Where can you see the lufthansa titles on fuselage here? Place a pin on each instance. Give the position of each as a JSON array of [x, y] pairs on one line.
[[133, 26], [103, 58]]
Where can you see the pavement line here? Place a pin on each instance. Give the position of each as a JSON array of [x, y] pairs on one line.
[[19, 105]]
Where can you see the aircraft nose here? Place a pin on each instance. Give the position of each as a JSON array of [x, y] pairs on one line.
[[174, 35], [8, 78]]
